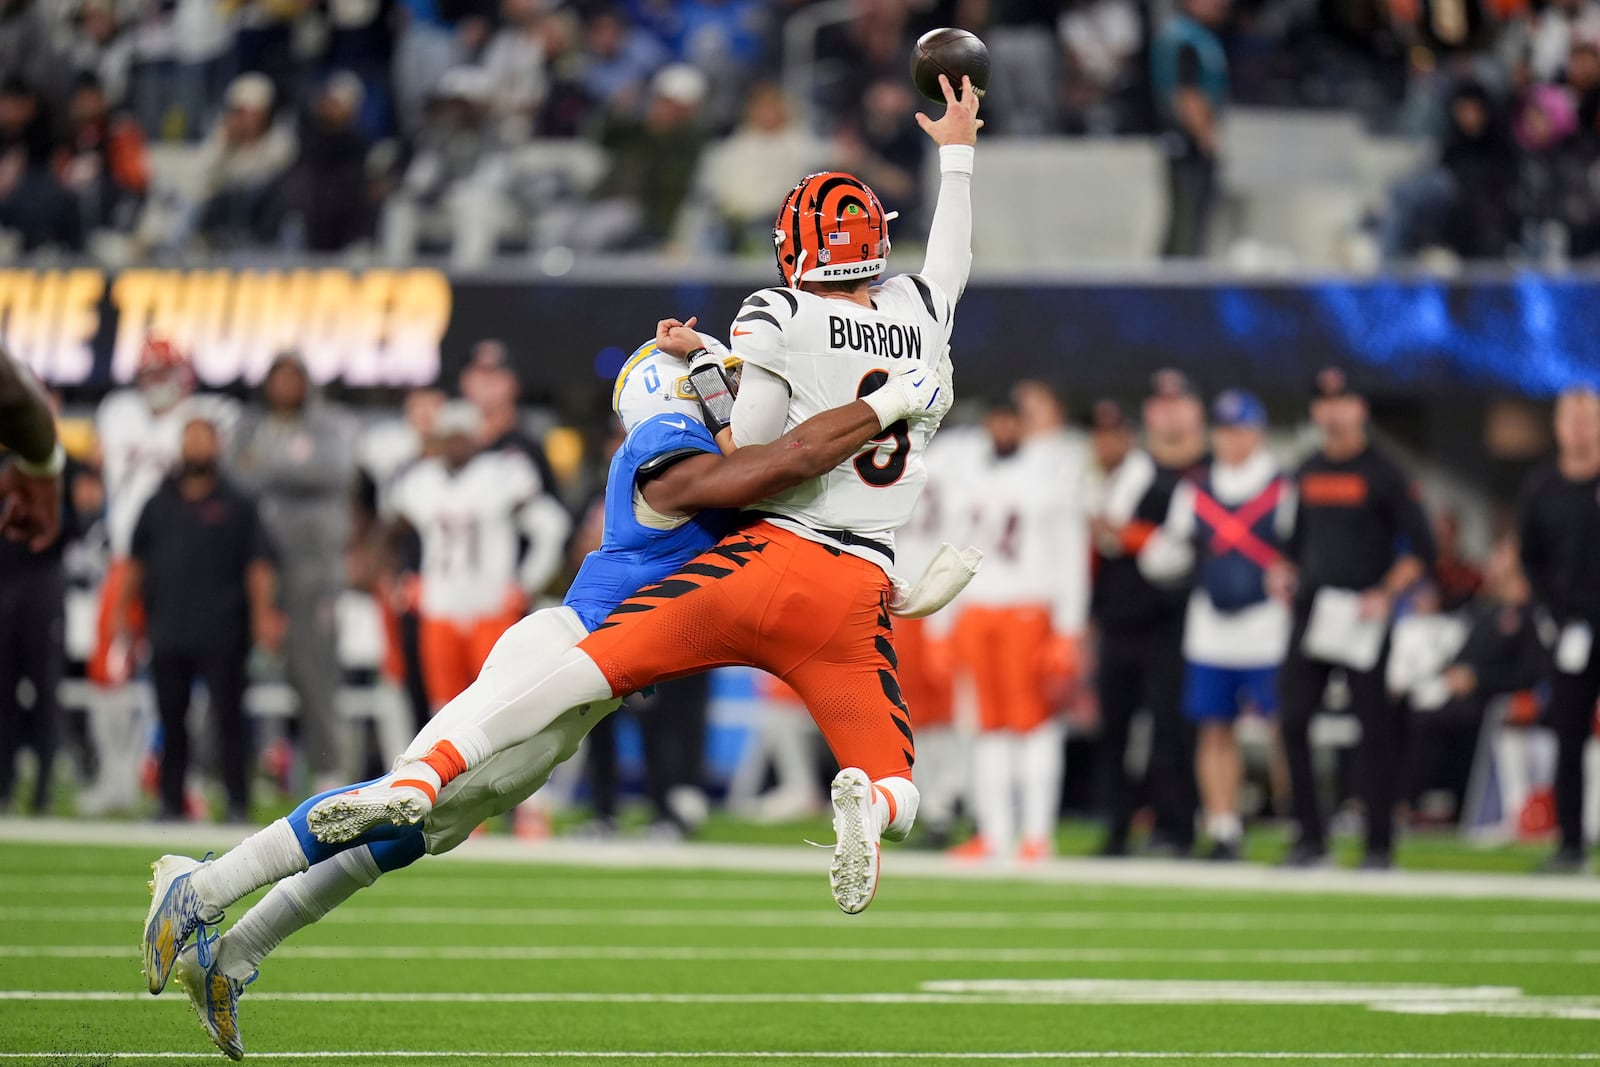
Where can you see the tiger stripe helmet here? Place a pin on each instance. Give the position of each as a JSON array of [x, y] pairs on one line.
[[831, 228]]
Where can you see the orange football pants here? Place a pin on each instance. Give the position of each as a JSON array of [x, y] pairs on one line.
[[924, 672], [814, 616], [1005, 651], [453, 652]]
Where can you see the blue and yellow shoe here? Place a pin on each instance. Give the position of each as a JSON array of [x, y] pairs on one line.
[[213, 995], [176, 912]]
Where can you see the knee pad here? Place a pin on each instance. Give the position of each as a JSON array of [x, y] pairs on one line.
[[902, 797]]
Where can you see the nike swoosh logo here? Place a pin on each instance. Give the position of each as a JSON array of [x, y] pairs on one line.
[[742, 333], [678, 425]]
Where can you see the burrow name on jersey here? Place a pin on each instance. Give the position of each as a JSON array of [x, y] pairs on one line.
[[889, 339]]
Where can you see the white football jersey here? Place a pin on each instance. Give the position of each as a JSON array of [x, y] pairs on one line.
[[140, 447], [1026, 513], [468, 525], [832, 351]]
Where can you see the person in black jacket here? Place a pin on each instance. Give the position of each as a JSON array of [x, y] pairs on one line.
[[1358, 526], [1141, 625], [1560, 529], [202, 565]]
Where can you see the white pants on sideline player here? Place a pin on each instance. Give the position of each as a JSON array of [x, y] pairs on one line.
[[1016, 786]]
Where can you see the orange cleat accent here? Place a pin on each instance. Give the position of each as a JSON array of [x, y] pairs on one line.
[[973, 850], [446, 762], [1035, 851]]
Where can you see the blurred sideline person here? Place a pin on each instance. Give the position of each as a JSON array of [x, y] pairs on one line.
[[140, 430], [386, 450], [1501, 656], [201, 564], [1560, 529], [1359, 528], [295, 457], [30, 483], [671, 493], [1226, 527], [468, 507], [924, 646], [1141, 625], [1021, 619], [32, 587]]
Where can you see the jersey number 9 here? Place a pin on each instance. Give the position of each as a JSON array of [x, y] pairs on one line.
[[877, 469]]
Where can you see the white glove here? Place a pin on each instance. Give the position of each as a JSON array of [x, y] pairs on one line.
[[917, 394], [942, 580]]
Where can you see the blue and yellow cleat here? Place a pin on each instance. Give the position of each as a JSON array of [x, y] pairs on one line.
[[176, 912], [213, 995]]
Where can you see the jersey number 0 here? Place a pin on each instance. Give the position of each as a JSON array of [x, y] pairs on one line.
[[875, 468]]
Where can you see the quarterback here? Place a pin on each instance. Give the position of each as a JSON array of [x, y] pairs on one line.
[[803, 592]]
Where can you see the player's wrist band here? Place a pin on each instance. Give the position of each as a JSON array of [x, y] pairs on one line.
[[46, 468], [957, 158], [710, 384]]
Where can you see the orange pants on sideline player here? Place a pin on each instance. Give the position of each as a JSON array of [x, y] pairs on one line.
[[453, 651], [816, 617], [924, 672], [1007, 653], [101, 670]]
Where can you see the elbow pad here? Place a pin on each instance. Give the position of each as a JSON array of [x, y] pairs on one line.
[[711, 386]]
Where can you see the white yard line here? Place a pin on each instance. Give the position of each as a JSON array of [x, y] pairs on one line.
[[1413, 999], [883, 918], [766, 859], [411, 1056], [1072, 1056], [696, 954]]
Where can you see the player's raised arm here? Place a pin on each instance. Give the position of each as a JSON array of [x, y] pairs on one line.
[[949, 257], [755, 472]]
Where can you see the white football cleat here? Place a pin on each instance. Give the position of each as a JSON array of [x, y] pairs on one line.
[[854, 874], [176, 912], [213, 995], [389, 801]]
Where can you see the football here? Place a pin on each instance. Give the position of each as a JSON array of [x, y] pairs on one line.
[[950, 52]]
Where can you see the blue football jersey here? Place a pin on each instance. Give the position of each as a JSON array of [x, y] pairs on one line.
[[632, 555]]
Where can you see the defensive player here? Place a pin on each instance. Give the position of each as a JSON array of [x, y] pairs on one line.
[[803, 593], [663, 480], [140, 431]]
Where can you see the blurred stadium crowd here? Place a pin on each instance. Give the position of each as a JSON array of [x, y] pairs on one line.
[[1163, 588], [476, 128]]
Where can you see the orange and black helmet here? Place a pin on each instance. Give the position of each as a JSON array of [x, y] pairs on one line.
[[831, 228]]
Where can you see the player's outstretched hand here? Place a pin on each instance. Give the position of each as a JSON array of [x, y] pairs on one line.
[[960, 123], [678, 339]]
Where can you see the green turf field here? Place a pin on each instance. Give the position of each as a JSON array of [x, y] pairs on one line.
[[504, 963]]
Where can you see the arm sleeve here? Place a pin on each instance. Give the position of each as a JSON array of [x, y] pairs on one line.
[[761, 411], [1411, 518], [1126, 486], [546, 524], [1188, 67], [949, 257], [1169, 553], [1531, 541]]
